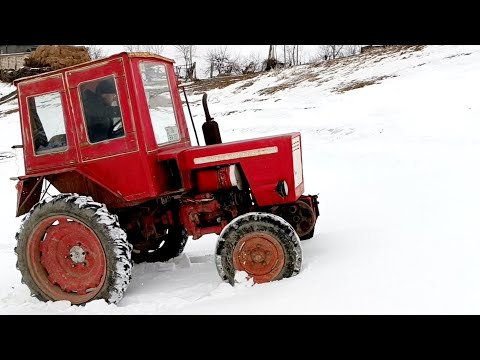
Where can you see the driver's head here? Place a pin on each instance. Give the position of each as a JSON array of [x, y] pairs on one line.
[[106, 89]]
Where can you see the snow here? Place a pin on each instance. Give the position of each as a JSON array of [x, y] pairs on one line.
[[242, 279], [395, 167]]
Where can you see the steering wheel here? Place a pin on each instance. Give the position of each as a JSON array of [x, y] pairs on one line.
[[117, 128]]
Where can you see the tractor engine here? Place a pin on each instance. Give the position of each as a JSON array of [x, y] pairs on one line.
[[210, 212], [219, 199]]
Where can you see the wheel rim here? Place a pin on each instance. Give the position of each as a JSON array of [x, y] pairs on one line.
[[66, 259], [260, 255]]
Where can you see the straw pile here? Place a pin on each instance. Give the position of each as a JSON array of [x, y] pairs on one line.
[[57, 56]]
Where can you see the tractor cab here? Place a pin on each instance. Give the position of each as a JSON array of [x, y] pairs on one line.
[[85, 125]]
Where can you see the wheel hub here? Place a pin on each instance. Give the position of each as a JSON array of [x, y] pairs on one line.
[[77, 254], [260, 255]]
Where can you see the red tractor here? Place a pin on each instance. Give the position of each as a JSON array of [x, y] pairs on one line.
[[111, 136]]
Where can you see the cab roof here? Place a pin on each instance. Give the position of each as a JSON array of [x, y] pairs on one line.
[[89, 63]]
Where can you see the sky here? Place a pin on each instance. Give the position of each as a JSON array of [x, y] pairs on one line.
[[390, 144]]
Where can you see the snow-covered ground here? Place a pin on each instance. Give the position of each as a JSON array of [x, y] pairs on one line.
[[395, 165]]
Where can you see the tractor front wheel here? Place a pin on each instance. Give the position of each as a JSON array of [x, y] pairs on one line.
[[71, 248], [263, 245]]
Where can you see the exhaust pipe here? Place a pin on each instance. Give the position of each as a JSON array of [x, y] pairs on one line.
[[210, 129]]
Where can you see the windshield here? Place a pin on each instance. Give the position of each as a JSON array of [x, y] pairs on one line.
[[159, 99]]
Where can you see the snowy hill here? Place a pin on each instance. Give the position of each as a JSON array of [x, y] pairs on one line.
[[391, 142]]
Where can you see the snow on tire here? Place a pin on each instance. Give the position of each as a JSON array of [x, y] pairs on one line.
[[263, 245], [70, 247]]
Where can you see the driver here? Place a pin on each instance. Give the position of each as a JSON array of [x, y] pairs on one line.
[[102, 112]]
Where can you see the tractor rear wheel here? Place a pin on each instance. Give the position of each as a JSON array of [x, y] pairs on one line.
[[71, 248], [263, 245], [170, 246]]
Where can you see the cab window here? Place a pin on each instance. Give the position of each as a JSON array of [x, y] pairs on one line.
[[101, 109], [159, 99], [47, 122]]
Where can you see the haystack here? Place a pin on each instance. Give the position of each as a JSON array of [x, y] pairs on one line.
[[57, 56]]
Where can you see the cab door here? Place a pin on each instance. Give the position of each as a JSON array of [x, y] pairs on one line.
[[86, 80], [112, 163]]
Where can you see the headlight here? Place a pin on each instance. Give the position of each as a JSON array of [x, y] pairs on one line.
[[282, 188]]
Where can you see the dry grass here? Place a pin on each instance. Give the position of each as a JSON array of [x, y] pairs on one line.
[[360, 84], [273, 89], [221, 82], [378, 54]]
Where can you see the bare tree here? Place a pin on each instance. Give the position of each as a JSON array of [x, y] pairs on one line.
[[271, 62], [292, 54], [319, 55], [350, 50], [299, 54], [330, 51], [132, 48], [95, 52], [188, 52], [154, 49], [222, 62], [250, 64], [289, 55], [336, 51]]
